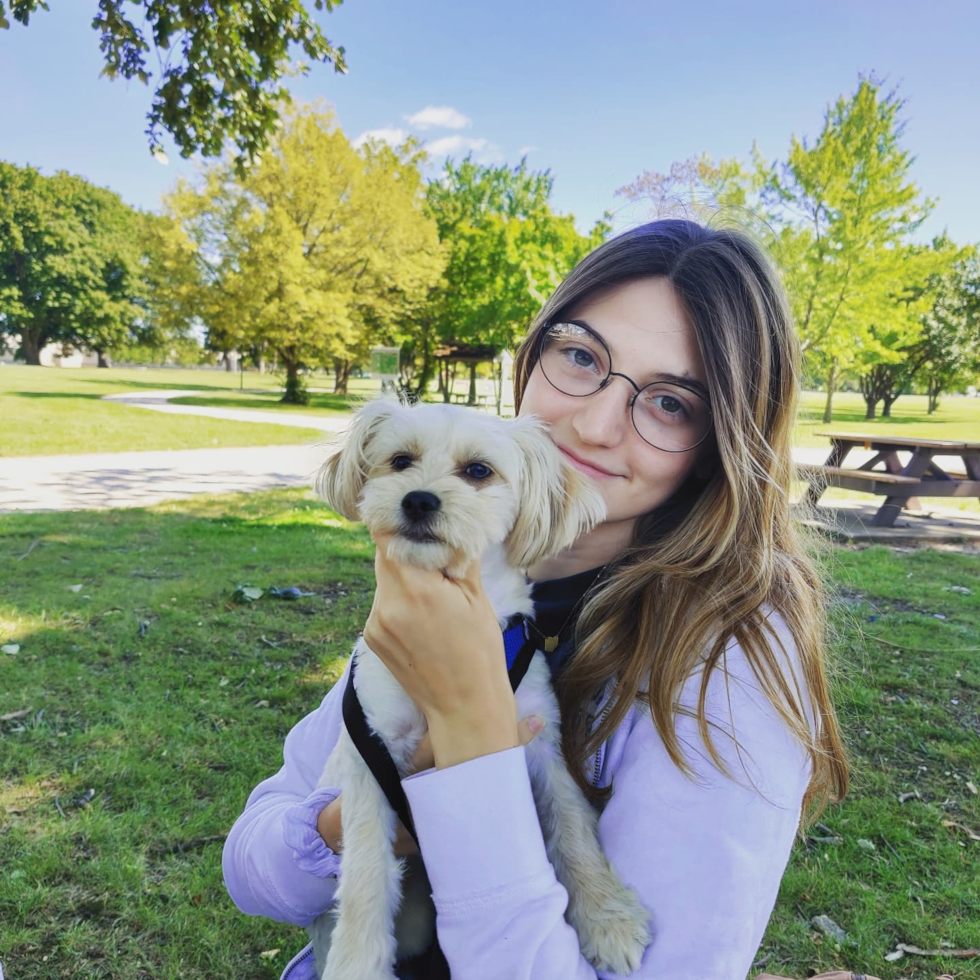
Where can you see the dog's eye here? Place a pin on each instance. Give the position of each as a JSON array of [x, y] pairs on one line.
[[479, 471], [401, 462]]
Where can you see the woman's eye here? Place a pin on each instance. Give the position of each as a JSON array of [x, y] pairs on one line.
[[478, 471], [580, 357], [401, 462]]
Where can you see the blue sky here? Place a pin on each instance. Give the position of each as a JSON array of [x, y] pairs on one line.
[[597, 92]]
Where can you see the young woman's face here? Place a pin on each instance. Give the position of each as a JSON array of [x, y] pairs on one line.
[[648, 334]]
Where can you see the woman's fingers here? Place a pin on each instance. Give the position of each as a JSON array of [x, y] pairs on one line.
[[529, 729]]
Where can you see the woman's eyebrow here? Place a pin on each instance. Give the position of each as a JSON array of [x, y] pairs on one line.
[[683, 380]]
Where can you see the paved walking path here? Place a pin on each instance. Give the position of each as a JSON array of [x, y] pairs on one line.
[[159, 401], [138, 479]]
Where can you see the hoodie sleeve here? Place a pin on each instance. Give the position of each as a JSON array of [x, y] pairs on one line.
[[274, 862], [705, 855]]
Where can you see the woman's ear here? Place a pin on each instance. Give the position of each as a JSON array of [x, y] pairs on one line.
[[557, 502], [341, 478]]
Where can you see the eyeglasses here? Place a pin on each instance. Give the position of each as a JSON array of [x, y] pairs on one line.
[[669, 415]]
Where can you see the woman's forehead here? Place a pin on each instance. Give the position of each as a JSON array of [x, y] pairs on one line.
[[645, 327]]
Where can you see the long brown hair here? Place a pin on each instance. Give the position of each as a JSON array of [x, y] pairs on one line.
[[708, 566]]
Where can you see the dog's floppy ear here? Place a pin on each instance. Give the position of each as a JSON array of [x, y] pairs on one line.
[[557, 502], [341, 478]]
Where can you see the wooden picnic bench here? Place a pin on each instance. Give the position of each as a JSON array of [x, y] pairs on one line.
[[900, 484]]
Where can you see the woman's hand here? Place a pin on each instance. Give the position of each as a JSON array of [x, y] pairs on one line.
[[329, 820], [441, 640]]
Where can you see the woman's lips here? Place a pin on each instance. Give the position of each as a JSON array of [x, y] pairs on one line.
[[587, 468]]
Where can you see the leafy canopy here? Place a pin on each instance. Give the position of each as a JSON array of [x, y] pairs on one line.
[[221, 64]]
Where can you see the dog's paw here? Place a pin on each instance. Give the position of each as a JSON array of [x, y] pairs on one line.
[[613, 927]]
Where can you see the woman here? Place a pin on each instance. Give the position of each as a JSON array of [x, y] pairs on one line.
[[690, 652]]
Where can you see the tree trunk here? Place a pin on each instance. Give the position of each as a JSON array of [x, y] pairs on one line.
[[933, 395], [32, 345], [341, 370], [104, 360], [261, 361], [228, 360], [471, 398], [444, 380], [886, 412], [870, 405], [831, 385], [295, 393]]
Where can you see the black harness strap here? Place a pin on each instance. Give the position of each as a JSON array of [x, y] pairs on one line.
[[372, 747]]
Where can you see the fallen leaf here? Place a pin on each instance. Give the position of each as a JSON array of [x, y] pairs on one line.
[[959, 826], [269, 954], [971, 788], [957, 588], [75, 588], [16, 714], [11, 648], [961, 954]]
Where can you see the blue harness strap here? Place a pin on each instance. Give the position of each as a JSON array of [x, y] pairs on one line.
[[514, 637]]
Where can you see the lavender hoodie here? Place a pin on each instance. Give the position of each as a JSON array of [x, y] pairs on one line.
[[706, 855]]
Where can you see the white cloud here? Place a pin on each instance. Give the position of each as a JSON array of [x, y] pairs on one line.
[[388, 134], [482, 149], [525, 150], [439, 117]]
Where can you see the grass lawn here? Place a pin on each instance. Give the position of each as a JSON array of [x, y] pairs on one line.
[[47, 411], [957, 418], [149, 692]]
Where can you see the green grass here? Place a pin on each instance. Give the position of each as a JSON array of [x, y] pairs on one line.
[[957, 418], [60, 410], [150, 687]]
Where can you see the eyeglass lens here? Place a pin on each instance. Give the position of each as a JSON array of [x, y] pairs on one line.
[[666, 415]]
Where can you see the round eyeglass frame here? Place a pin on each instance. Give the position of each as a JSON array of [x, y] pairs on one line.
[[546, 330]]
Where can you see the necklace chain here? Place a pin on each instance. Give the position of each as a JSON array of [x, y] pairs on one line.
[[551, 642]]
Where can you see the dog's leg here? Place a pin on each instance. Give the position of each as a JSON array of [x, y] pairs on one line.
[[611, 922], [362, 946]]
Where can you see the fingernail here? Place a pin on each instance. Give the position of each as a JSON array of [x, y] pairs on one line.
[[535, 723]]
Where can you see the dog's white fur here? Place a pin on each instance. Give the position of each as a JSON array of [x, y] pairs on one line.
[[534, 505]]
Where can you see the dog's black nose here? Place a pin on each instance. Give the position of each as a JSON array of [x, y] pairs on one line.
[[419, 504]]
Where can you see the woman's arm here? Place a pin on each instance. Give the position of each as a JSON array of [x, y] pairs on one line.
[[706, 857], [275, 862]]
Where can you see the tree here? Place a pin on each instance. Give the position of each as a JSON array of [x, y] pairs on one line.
[[220, 64], [950, 343], [70, 263], [850, 207], [298, 253], [507, 251], [902, 350]]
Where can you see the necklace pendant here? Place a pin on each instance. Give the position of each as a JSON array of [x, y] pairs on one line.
[[550, 644]]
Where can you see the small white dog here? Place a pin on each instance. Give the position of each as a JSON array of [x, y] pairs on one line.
[[452, 484]]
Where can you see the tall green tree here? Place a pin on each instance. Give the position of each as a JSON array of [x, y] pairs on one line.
[[900, 333], [71, 263], [850, 196], [296, 254], [507, 250], [222, 63], [950, 342]]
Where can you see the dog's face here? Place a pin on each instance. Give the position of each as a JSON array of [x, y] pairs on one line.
[[448, 482]]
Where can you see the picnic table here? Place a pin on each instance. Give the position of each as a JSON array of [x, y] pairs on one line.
[[884, 474]]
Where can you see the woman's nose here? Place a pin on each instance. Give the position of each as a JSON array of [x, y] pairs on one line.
[[604, 417]]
